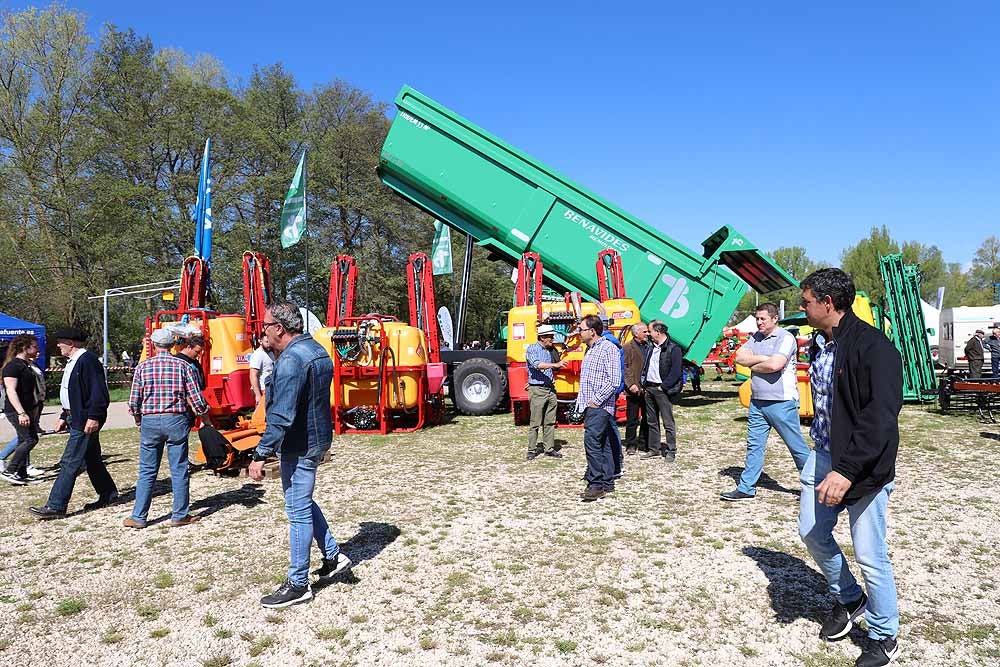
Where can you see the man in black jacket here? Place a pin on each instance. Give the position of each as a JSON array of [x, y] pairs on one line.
[[84, 392], [662, 381], [857, 384]]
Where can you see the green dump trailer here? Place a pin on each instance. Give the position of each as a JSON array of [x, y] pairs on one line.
[[510, 203]]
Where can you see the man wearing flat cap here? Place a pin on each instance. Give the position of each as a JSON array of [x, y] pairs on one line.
[[164, 389], [975, 353], [84, 392], [542, 359]]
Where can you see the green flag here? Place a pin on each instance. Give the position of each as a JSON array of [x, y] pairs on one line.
[[293, 213], [441, 249]]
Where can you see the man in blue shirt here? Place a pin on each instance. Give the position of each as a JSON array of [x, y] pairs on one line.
[[542, 360], [299, 431]]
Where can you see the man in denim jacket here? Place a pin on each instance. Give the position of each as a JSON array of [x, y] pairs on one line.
[[299, 431]]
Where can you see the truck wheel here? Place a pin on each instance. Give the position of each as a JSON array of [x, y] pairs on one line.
[[478, 387]]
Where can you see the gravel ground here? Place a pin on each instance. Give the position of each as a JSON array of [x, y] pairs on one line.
[[468, 555]]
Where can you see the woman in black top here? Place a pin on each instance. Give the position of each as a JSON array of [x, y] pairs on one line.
[[25, 392]]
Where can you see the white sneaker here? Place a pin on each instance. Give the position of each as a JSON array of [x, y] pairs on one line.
[[34, 472], [3, 466]]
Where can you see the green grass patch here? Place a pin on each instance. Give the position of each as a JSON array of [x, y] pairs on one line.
[[565, 646], [163, 579], [71, 606]]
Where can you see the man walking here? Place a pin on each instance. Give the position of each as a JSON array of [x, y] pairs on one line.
[[84, 392], [636, 430], [857, 383], [770, 354], [299, 431], [662, 380], [164, 390], [975, 353], [542, 359], [600, 380]]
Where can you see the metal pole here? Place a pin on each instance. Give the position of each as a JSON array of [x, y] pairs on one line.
[[105, 330], [463, 299], [305, 231]]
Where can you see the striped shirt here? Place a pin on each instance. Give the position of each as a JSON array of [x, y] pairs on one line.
[[163, 384], [821, 380], [600, 376]]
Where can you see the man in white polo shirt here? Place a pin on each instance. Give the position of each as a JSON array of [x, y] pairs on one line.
[[770, 354]]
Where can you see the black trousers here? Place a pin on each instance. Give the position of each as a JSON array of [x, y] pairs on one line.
[[27, 438], [636, 429], [659, 408]]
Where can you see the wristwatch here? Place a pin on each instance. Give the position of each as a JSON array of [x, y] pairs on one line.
[[258, 457]]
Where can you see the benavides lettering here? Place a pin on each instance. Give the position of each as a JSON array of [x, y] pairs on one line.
[[598, 234]]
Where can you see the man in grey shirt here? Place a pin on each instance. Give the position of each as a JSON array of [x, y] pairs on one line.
[[770, 354]]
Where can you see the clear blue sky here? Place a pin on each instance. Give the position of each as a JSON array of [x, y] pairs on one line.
[[796, 124]]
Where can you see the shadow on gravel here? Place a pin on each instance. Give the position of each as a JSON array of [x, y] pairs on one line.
[[372, 537], [989, 436], [248, 495], [796, 589], [765, 481]]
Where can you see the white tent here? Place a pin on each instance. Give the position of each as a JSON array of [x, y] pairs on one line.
[[747, 326]]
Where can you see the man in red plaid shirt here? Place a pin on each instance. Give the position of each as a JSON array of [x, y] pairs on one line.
[[163, 389]]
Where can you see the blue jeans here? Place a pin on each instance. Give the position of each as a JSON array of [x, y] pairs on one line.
[[598, 444], [305, 519], [156, 431], [783, 416], [81, 448], [9, 449], [867, 517]]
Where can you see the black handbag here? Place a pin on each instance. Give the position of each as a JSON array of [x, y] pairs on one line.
[[214, 446]]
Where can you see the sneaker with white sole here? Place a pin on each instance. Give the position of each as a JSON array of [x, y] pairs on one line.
[[838, 623], [34, 472], [878, 652], [333, 566], [287, 595], [11, 478]]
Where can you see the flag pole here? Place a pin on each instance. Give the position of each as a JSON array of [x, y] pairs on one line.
[[305, 231]]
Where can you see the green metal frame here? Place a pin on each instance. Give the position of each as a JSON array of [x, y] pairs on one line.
[[511, 203], [907, 328]]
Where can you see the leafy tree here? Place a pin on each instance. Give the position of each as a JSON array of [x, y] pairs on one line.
[[862, 262]]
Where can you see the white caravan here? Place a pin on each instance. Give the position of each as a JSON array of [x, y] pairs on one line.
[[958, 325]]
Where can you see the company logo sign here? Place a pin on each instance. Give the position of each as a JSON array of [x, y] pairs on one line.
[[676, 304], [598, 234]]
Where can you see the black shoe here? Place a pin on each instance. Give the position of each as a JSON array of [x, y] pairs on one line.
[[100, 502], [629, 451], [554, 453], [286, 596], [669, 456], [535, 454], [592, 493], [839, 621], [735, 495], [16, 480], [650, 455], [46, 512], [878, 652], [333, 566]]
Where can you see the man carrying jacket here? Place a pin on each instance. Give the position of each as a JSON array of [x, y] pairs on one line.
[[84, 392], [299, 431], [635, 400], [857, 384], [661, 381]]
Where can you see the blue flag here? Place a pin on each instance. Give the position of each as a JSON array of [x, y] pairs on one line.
[[203, 210]]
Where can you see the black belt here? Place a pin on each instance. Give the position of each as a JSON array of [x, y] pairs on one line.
[[650, 384], [543, 386]]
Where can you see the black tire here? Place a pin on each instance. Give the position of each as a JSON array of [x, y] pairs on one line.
[[478, 386]]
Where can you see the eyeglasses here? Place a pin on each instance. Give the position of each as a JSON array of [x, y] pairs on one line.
[[582, 329], [265, 325]]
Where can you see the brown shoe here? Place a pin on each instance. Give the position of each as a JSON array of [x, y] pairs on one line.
[[132, 523], [186, 521], [592, 493]]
